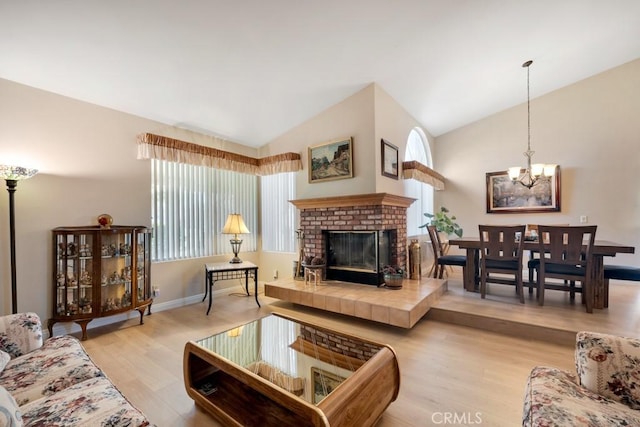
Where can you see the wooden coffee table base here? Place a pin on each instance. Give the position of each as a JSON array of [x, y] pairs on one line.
[[237, 397]]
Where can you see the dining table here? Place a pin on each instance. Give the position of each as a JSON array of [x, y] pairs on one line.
[[601, 249]]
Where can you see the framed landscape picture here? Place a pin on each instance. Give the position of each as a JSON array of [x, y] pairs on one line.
[[506, 196], [323, 383], [331, 160], [389, 154]]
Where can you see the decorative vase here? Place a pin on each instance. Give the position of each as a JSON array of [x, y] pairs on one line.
[[415, 267], [393, 281]]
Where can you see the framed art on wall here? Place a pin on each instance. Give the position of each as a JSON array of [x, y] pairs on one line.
[[331, 160], [506, 196], [389, 154]]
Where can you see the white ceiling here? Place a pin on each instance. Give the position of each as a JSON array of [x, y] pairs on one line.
[[250, 70]]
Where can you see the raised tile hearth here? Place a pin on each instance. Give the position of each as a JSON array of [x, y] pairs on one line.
[[402, 307]]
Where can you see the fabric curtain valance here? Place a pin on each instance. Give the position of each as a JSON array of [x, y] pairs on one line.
[[418, 171], [151, 146]]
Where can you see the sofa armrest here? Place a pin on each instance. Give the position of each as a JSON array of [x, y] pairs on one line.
[[609, 365], [20, 333]]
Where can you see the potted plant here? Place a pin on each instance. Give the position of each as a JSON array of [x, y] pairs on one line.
[[444, 222], [393, 276]]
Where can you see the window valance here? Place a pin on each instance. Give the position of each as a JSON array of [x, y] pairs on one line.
[[418, 171], [151, 146]]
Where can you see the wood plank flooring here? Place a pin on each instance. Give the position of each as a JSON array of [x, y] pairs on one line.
[[475, 374]]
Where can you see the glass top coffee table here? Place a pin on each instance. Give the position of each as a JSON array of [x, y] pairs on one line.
[[281, 371]]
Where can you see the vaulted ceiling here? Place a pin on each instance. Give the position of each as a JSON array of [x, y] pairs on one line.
[[250, 70]]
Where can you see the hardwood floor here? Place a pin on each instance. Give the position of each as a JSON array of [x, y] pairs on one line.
[[473, 375]]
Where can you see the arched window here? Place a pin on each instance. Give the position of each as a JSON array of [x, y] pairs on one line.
[[418, 149]]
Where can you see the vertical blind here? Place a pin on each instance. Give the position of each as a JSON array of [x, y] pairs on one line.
[[190, 205], [278, 215]]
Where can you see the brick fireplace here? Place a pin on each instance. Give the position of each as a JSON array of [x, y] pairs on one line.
[[379, 212]]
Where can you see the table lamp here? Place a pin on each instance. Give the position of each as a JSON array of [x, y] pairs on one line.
[[13, 174], [235, 225]]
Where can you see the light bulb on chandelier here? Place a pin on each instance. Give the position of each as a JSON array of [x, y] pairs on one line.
[[533, 173]]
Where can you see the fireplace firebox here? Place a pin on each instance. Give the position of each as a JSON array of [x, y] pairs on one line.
[[358, 256]]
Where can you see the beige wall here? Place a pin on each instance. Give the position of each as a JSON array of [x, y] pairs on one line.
[[591, 129], [352, 117], [368, 116], [87, 160], [392, 123]]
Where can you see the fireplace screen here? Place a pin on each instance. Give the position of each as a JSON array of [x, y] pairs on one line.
[[357, 256]]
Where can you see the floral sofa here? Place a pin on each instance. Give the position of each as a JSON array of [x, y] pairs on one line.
[[605, 391], [55, 383]]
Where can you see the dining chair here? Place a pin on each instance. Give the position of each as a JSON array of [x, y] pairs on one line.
[[532, 234], [440, 259], [565, 254], [501, 253]]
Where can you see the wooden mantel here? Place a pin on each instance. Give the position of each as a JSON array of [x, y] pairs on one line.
[[374, 199]]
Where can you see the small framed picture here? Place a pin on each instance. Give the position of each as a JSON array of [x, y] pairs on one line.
[[331, 160], [389, 159], [323, 383]]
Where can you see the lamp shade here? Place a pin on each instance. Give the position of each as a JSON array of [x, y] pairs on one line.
[[235, 225], [16, 173]]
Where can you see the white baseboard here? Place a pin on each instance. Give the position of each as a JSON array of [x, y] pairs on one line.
[[65, 328]]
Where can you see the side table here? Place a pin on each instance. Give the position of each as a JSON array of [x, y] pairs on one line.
[[226, 271]]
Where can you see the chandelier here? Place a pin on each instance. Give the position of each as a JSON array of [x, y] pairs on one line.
[[537, 172]]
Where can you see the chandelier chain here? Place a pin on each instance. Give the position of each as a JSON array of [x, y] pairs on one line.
[[531, 175], [528, 113]]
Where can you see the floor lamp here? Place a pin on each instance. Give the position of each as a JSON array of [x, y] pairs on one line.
[[13, 174]]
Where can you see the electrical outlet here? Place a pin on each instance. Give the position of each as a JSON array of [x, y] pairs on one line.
[[275, 274], [156, 291], [583, 219]]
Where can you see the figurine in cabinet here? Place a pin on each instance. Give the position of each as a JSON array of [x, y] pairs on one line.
[[71, 280], [68, 249], [104, 250], [71, 249], [114, 278], [125, 249], [73, 307], [126, 273], [126, 298], [85, 251], [85, 278], [60, 280], [85, 305], [109, 304]]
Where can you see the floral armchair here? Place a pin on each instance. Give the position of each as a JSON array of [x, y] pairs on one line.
[[604, 392], [20, 334]]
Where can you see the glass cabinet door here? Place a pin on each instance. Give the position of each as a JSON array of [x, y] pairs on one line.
[[74, 274], [143, 265], [116, 270]]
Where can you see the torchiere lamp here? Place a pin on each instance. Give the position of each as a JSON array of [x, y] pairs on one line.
[[13, 174], [235, 225]]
